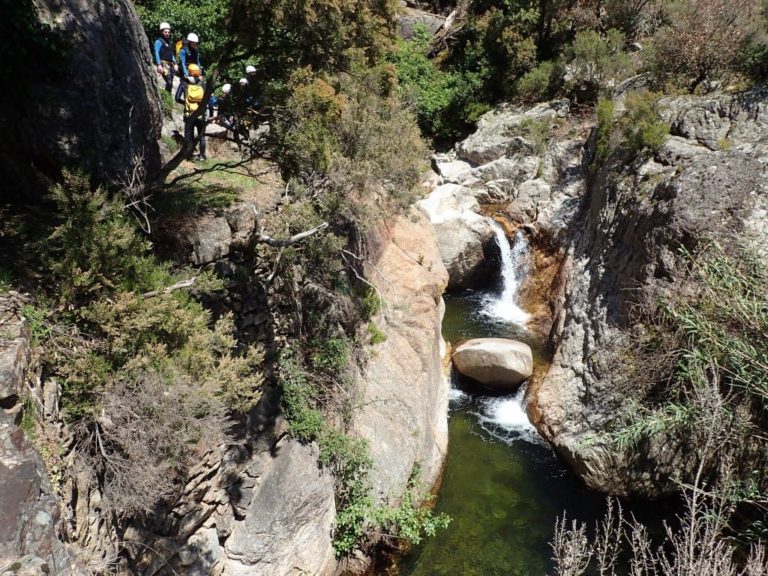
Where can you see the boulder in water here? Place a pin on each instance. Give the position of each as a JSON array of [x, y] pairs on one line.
[[497, 363]]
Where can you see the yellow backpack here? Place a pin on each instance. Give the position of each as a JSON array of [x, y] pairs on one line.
[[195, 93]]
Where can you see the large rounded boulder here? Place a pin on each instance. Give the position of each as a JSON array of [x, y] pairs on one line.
[[497, 363]]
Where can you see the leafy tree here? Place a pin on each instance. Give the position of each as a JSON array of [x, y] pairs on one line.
[[206, 18], [441, 98]]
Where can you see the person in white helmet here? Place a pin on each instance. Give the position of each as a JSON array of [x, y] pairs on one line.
[[226, 111], [189, 54], [250, 71], [165, 59]]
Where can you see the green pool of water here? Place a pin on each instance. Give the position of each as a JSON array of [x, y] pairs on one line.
[[503, 488]]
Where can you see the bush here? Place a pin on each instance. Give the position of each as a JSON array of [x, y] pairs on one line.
[[644, 130], [94, 248], [538, 84], [701, 41], [144, 376], [440, 97], [597, 62], [605, 124]]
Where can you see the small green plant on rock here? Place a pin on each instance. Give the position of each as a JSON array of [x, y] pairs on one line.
[[307, 401], [643, 128]]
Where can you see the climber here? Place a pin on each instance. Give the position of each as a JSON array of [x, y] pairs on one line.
[[250, 89], [188, 54], [165, 59], [193, 98]]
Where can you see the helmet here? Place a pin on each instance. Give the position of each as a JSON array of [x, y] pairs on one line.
[[164, 26], [194, 70], [192, 37], [243, 81], [227, 88], [250, 69]]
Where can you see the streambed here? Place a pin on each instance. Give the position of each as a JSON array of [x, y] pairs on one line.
[[503, 485]]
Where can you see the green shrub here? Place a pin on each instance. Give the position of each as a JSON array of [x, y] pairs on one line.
[[40, 327], [644, 130], [6, 280], [597, 62], [167, 106], [539, 83], [605, 124], [539, 132], [145, 376], [705, 350], [443, 100], [309, 410], [95, 248], [376, 334]]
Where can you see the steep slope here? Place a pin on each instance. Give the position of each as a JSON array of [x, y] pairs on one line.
[[707, 182]]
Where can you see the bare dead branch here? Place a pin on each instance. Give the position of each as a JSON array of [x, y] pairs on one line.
[[258, 236], [284, 242], [178, 286], [383, 302]]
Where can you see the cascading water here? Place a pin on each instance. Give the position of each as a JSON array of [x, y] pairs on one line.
[[503, 485], [514, 268]]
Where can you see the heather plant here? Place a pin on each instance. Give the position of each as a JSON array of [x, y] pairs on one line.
[[146, 375], [702, 40]]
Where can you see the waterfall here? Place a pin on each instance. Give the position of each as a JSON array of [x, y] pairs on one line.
[[514, 268], [506, 420]]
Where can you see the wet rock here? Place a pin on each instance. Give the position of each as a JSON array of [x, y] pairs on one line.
[[497, 363]]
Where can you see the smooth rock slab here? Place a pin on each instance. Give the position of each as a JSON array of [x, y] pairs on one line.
[[498, 363], [461, 232]]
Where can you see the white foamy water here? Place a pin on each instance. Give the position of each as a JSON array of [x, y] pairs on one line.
[[514, 268], [506, 420]]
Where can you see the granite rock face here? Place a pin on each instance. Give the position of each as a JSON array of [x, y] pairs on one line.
[[404, 393], [289, 515], [103, 112], [31, 530], [14, 349], [461, 232], [624, 251]]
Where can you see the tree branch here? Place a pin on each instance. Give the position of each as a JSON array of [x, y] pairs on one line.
[[178, 286], [283, 242]]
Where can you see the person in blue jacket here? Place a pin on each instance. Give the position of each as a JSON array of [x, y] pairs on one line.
[[190, 54], [165, 59]]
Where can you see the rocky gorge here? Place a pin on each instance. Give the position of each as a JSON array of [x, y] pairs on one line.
[[605, 237]]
